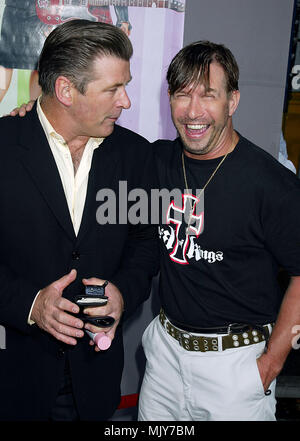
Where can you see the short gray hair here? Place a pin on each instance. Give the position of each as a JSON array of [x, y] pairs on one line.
[[71, 48]]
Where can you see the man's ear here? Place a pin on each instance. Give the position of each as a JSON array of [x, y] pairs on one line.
[[64, 90], [234, 100]]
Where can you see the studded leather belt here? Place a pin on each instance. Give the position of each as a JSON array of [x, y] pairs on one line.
[[248, 336]]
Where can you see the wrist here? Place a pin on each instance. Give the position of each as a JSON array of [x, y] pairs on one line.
[[30, 319], [272, 363]]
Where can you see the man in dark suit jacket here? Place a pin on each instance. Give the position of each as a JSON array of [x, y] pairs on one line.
[[53, 163]]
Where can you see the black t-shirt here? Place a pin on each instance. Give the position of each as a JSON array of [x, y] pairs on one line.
[[249, 229]]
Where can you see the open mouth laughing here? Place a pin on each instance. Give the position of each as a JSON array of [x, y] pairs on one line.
[[196, 130]]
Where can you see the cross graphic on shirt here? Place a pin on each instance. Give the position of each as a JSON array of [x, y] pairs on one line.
[[178, 216]]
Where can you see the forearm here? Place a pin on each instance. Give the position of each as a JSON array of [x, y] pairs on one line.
[[280, 343]]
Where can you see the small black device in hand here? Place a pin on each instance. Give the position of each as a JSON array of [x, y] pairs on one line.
[[94, 295], [100, 321]]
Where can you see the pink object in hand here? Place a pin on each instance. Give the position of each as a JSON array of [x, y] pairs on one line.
[[102, 340]]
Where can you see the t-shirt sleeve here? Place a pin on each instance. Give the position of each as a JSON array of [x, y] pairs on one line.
[[282, 231]]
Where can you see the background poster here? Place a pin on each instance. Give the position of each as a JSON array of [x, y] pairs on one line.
[[156, 32]]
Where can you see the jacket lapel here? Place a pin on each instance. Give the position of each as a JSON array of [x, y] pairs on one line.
[[38, 160]]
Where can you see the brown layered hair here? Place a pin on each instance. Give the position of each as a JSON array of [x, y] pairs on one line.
[[191, 66]]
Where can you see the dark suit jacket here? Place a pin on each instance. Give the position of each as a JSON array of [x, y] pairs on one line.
[[38, 246]]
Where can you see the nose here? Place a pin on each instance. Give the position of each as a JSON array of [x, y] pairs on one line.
[[195, 108], [124, 100]]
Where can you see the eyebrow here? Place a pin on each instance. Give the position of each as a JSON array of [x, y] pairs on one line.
[[190, 89], [119, 84], [209, 89]]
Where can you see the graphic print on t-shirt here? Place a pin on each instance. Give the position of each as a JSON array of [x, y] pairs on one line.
[[187, 223], [183, 229]]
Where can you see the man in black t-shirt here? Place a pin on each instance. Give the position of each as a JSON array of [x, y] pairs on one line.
[[213, 353]]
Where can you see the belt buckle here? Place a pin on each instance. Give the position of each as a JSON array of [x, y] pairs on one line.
[[231, 330]]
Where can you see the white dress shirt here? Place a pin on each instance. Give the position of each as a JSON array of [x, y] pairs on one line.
[[75, 185]]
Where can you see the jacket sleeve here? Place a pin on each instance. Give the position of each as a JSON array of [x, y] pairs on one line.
[[17, 296], [122, 16], [17, 291]]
